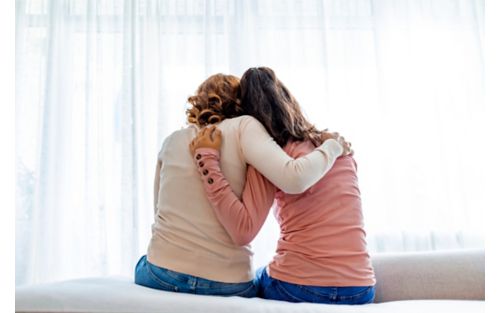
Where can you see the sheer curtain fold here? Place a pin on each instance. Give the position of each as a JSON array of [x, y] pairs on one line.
[[99, 84]]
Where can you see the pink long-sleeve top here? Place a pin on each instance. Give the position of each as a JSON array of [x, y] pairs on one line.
[[322, 240]]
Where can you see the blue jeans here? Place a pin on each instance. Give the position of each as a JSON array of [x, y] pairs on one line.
[[270, 288], [150, 275]]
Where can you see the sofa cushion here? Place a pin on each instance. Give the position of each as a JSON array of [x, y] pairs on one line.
[[121, 295], [430, 275]]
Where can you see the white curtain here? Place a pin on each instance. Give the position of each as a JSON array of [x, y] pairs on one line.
[[99, 84]]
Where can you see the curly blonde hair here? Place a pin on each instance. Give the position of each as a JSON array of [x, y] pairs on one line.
[[216, 99]]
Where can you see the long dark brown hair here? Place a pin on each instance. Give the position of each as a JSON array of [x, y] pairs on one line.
[[217, 98], [264, 97]]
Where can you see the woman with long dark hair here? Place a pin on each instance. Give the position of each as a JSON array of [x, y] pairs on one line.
[[189, 250], [321, 255]]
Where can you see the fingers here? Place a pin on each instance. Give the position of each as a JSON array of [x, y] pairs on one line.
[[191, 147], [347, 151], [207, 137], [210, 132], [213, 133], [346, 146], [341, 141], [203, 132], [199, 134], [217, 136]]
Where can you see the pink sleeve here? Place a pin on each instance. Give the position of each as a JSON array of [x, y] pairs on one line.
[[243, 218]]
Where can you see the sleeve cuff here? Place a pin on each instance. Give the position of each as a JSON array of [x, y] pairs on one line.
[[206, 152], [334, 146]]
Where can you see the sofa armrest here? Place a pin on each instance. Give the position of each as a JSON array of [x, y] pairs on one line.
[[430, 275]]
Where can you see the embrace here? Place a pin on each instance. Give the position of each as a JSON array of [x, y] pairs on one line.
[[249, 146]]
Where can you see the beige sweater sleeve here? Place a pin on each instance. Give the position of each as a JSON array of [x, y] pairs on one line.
[[292, 176]]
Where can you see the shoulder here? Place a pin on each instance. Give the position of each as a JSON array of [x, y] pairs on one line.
[[353, 162], [250, 122], [184, 131], [243, 119], [243, 124], [177, 136]]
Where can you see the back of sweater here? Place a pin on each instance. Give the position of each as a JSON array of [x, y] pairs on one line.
[[186, 235]]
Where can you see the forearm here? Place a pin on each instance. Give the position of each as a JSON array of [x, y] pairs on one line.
[[242, 219], [300, 174], [294, 176], [290, 175]]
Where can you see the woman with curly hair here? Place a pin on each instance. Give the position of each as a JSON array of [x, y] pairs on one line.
[[321, 255], [190, 251]]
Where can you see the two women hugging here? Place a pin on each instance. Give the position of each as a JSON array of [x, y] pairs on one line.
[[249, 146]]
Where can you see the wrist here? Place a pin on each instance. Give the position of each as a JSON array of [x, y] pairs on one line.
[[335, 146], [210, 152]]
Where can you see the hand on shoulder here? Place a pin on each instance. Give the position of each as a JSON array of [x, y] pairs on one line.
[[346, 146], [207, 137]]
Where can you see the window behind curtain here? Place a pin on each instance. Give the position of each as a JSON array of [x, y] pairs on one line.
[[99, 84]]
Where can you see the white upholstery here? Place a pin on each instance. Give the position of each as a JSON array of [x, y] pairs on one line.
[[436, 275], [452, 275]]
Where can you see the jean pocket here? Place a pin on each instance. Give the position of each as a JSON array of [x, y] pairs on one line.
[[247, 292], [360, 295], [289, 292], [157, 274]]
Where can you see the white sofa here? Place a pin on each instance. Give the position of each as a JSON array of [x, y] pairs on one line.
[[437, 282]]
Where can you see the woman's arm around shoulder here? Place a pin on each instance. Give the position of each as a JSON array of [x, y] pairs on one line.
[[292, 176], [243, 218]]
